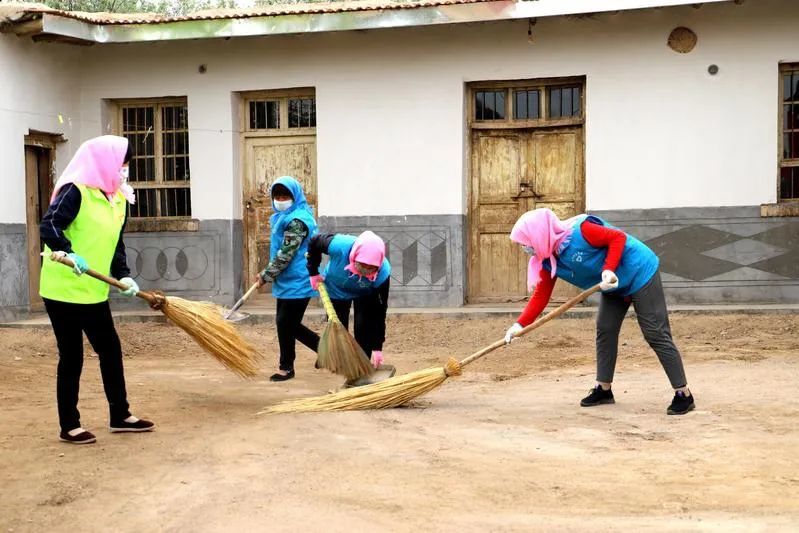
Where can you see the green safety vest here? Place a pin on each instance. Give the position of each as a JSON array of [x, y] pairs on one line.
[[94, 235]]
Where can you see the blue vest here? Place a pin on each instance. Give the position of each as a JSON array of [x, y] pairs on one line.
[[342, 284], [581, 264], [294, 281]]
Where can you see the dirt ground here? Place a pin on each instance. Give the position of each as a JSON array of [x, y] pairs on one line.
[[506, 447]]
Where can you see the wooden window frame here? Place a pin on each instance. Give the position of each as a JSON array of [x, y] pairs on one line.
[[782, 208], [157, 223], [509, 87], [282, 96]]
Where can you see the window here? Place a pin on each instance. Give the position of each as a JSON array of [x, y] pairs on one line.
[[489, 105], [564, 102], [789, 124], [275, 112], [527, 103], [158, 132]]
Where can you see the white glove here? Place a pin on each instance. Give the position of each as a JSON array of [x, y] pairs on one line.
[[133, 287], [512, 331], [609, 281]]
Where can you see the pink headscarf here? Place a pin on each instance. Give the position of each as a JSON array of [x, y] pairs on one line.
[[541, 230], [97, 164], [368, 249]]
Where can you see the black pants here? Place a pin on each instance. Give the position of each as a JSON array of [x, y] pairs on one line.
[[69, 322], [370, 319], [290, 329]]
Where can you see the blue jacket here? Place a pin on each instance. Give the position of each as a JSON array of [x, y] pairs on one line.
[[581, 264], [342, 284], [292, 282]]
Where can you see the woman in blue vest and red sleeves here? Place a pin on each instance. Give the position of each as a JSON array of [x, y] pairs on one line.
[[358, 274], [585, 251]]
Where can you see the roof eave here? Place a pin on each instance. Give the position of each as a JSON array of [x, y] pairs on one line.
[[77, 30]]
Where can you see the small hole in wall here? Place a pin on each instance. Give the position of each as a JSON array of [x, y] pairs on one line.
[[713, 70], [202, 69]]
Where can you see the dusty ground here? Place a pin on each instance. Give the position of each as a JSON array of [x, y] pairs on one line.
[[503, 448]]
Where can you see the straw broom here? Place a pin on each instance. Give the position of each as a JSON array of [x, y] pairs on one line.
[[397, 391], [338, 351], [203, 321]]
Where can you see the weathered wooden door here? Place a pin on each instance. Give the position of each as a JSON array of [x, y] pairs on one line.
[[268, 158], [500, 194], [38, 188], [514, 171]]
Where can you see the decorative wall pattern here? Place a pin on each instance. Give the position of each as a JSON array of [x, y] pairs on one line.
[[719, 254], [425, 252]]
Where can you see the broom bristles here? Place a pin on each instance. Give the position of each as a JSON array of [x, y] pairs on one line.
[[341, 354], [392, 392], [204, 323]]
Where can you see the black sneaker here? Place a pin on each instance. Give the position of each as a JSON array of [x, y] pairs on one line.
[[139, 426], [81, 438], [681, 404], [598, 397], [281, 377]]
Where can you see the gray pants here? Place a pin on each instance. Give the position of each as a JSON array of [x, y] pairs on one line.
[[653, 318]]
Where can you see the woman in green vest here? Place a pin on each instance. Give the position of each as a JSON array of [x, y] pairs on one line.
[[85, 221]]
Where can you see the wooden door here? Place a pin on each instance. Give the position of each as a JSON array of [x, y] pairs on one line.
[[268, 158], [500, 194], [38, 188], [558, 181], [514, 171]]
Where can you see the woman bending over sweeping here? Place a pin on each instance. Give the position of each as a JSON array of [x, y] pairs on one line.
[[584, 251], [85, 221], [358, 272], [293, 225]]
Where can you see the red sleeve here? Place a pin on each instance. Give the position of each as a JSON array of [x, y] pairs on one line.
[[539, 299], [600, 236]]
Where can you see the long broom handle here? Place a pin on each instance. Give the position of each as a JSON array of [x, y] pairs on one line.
[[535, 325], [148, 296], [328, 305], [243, 299]]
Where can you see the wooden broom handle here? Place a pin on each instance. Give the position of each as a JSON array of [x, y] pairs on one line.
[[325, 297], [555, 313], [64, 260]]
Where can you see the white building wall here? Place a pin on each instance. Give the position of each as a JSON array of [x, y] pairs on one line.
[[661, 132], [38, 82]]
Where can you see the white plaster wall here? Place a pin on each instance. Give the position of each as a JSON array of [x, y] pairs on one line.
[[37, 83], [661, 132]]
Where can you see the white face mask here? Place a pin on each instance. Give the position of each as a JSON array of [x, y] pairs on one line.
[[283, 205], [528, 250], [124, 174]]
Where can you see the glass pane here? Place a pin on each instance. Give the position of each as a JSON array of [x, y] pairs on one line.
[[145, 204], [793, 153], [499, 109], [175, 202], [273, 115], [479, 105], [554, 103], [294, 114], [793, 117], [533, 103], [577, 102], [169, 143], [788, 182], [790, 86], [566, 102], [520, 105]]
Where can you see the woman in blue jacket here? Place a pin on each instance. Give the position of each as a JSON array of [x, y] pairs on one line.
[[293, 225], [357, 272]]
